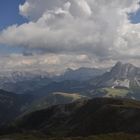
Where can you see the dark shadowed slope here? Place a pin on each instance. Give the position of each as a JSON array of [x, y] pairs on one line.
[[11, 105], [84, 118]]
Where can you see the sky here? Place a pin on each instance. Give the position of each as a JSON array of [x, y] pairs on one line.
[[53, 35], [9, 15]]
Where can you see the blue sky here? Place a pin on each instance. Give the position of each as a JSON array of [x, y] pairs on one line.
[[135, 17], [9, 15]]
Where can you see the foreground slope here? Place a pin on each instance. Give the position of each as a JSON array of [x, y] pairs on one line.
[[36, 136], [84, 118], [11, 105]]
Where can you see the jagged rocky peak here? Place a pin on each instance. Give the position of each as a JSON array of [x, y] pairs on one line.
[[119, 66], [121, 75], [126, 70]]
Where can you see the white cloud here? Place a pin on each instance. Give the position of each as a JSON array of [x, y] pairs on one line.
[[99, 30], [24, 9]]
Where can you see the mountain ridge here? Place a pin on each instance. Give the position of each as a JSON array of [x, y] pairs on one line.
[[84, 118]]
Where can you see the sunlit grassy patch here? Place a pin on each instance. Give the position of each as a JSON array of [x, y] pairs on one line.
[[115, 92]]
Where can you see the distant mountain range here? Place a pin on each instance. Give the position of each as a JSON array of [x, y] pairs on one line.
[[83, 79], [81, 74], [123, 80], [124, 75], [24, 82], [20, 82]]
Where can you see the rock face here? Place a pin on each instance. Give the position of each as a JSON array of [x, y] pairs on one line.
[[121, 83], [125, 71], [121, 75], [85, 117]]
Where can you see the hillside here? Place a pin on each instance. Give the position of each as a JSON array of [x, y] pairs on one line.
[[55, 98], [11, 105], [36, 136], [84, 118]]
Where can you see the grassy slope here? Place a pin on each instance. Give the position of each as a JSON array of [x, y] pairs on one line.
[[132, 93], [130, 106], [112, 92], [117, 136], [96, 116], [54, 99], [11, 105]]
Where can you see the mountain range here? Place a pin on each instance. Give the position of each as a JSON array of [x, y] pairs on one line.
[[123, 80], [24, 82], [81, 74], [83, 79], [79, 102]]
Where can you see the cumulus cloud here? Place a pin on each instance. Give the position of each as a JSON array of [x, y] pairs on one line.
[[100, 30]]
